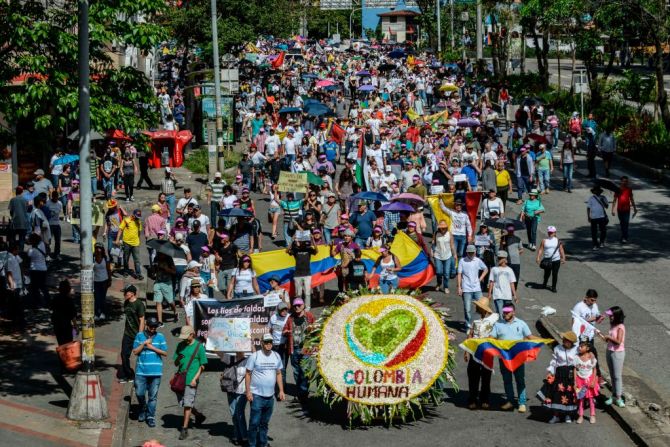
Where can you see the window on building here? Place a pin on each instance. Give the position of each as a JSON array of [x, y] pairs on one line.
[[394, 19]]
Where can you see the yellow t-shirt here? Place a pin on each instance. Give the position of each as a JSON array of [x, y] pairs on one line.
[[131, 231], [502, 178]]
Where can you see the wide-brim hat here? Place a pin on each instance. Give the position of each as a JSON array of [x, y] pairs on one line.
[[569, 335], [483, 303]]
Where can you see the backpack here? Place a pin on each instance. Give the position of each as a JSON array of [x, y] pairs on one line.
[[229, 382]]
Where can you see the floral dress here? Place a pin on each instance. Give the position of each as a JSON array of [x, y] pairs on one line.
[[557, 392]]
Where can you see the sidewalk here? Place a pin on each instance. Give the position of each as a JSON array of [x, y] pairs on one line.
[[34, 393]]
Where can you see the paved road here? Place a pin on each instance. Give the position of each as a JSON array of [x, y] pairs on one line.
[[450, 422]]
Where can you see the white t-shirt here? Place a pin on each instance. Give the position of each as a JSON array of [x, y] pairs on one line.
[[204, 221], [276, 325], [271, 145], [502, 278], [597, 210], [289, 145], [184, 202], [469, 270], [492, 205], [244, 280], [442, 249], [228, 201], [587, 313], [56, 169], [263, 368]]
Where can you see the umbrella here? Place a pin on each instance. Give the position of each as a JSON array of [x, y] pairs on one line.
[[235, 212], [317, 110], [541, 139], [156, 244], [306, 103], [505, 222], [172, 250], [309, 76], [66, 159], [290, 110], [387, 67], [397, 206], [452, 66], [408, 197], [397, 54], [332, 87], [366, 88], [95, 136], [448, 87], [608, 184], [468, 122], [324, 83], [363, 73], [370, 195]]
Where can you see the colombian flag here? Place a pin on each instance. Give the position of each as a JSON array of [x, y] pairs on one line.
[[281, 264], [513, 353], [416, 267], [471, 206]]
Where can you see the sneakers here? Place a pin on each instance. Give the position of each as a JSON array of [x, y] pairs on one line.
[[507, 406], [620, 403], [592, 419], [160, 324], [151, 422], [96, 318], [126, 380], [142, 416], [609, 400], [522, 408], [555, 419], [472, 406], [102, 316], [568, 419], [580, 419], [183, 434]]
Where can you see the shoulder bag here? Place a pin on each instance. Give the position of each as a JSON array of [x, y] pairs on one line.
[[178, 381], [607, 219], [545, 263]]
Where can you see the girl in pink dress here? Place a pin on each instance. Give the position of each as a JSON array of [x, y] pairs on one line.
[[586, 381]]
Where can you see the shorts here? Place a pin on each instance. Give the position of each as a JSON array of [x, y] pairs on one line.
[[163, 291], [188, 398], [274, 210]]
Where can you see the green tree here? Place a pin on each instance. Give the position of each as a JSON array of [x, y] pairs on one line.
[[40, 43]]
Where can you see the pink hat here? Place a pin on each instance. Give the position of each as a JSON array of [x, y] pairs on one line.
[[205, 248], [551, 229], [298, 302], [238, 177], [344, 216], [609, 312], [412, 224]]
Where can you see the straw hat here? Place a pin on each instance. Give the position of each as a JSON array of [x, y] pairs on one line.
[[483, 303], [569, 335]]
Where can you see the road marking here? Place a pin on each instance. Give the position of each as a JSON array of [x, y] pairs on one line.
[[45, 436], [42, 411]]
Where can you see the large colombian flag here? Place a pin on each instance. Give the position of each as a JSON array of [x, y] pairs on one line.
[[513, 353], [416, 268], [472, 200]]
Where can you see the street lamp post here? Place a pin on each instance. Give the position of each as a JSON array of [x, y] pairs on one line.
[[439, 28], [453, 37], [86, 401], [480, 46], [217, 83]]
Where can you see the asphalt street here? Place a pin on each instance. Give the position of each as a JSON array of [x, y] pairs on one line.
[[452, 421]]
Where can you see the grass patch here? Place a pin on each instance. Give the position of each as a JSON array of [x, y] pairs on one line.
[[197, 161]]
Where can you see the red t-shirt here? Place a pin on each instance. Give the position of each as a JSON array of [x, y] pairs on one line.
[[624, 198]]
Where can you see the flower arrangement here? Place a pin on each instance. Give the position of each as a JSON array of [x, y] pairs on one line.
[[386, 356]]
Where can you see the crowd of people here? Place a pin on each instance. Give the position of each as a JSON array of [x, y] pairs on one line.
[[394, 130]]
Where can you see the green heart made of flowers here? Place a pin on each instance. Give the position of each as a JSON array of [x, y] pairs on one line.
[[386, 334]]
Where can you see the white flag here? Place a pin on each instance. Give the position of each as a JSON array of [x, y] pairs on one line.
[[582, 328]]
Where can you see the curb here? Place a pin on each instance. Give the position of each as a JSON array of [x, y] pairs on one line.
[[121, 426], [661, 176], [632, 419]]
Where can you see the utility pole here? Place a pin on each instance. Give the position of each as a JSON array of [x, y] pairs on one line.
[[480, 49], [217, 85], [86, 401], [439, 29]]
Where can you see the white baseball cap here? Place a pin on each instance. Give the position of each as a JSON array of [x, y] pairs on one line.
[[193, 264], [217, 175]]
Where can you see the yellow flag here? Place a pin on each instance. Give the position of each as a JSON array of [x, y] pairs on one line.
[[282, 134], [412, 115], [448, 201]]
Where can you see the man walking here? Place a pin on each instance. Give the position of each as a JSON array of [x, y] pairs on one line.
[[129, 232], [214, 196], [512, 328], [470, 281], [263, 374], [150, 347], [596, 212], [295, 330], [303, 251], [133, 309]]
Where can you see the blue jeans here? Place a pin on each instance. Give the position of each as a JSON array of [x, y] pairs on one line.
[[94, 185], [147, 385], [108, 186], [76, 236], [460, 242], [499, 304], [523, 184], [544, 176], [327, 235], [568, 169], [298, 374], [360, 241], [214, 208], [520, 379], [387, 284], [554, 137], [134, 251], [624, 221], [287, 238], [237, 403], [259, 420], [443, 269], [172, 204], [531, 229], [468, 298]]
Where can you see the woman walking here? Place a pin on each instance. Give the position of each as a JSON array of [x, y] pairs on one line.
[[557, 393], [550, 257], [243, 281], [444, 255], [102, 279], [390, 266], [615, 353], [531, 211], [567, 164]]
